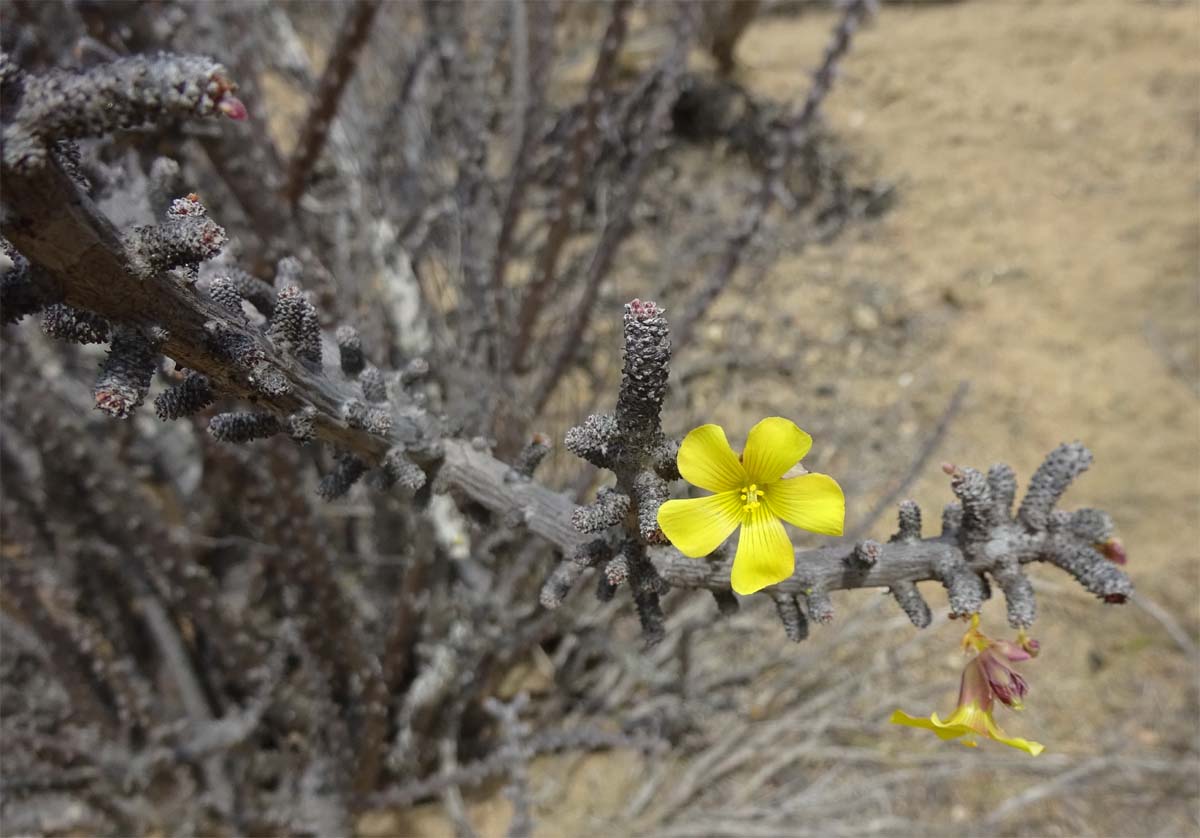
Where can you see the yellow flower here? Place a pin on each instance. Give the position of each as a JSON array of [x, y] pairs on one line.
[[753, 493]]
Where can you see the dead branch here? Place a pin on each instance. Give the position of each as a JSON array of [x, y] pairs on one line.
[[343, 59], [789, 140], [584, 144], [920, 461]]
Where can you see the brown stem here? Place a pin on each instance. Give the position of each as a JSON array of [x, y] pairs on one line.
[[356, 26]]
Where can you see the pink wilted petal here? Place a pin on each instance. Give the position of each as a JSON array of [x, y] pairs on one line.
[[974, 686], [1012, 651], [1004, 682], [232, 107]]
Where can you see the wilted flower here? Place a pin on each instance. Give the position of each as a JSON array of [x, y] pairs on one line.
[[751, 492], [986, 678], [1005, 683]]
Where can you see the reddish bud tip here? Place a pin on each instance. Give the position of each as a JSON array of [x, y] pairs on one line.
[[1114, 551], [644, 309], [657, 537], [232, 107], [1116, 599]]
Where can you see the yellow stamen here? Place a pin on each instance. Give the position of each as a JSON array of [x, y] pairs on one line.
[[751, 495]]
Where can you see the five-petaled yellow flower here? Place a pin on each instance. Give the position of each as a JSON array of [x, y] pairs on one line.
[[751, 492]]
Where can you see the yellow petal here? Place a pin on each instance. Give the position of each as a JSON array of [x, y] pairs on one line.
[[971, 715], [944, 730], [899, 717], [1031, 748], [994, 732], [953, 729], [706, 460], [697, 526], [775, 445], [764, 553], [813, 502]]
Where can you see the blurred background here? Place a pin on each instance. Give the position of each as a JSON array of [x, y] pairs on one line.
[[987, 245]]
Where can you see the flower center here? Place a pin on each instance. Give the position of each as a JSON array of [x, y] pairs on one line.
[[751, 496], [972, 716]]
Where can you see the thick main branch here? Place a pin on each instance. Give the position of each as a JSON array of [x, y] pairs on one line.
[[58, 227]]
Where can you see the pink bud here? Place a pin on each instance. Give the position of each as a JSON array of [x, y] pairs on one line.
[[232, 107], [644, 309]]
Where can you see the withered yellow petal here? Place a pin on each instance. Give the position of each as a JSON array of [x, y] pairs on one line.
[[697, 526], [813, 502], [953, 729], [944, 730], [775, 445], [994, 732], [764, 553], [706, 460]]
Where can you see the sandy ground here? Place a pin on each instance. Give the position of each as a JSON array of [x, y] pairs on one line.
[[1045, 249]]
